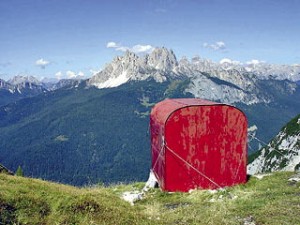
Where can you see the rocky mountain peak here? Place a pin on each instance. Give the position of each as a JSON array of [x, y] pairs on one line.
[[119, 71], [25, 83], [127, 58], [130, 55], [133, 67], [163, 59], [3, 84], [17, 80]]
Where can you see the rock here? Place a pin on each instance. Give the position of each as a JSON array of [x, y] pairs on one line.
[[5, 170], [249, 221]]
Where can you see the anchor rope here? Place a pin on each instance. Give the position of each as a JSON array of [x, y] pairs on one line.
[[191, 166], [160, 152], [240, 162], [266, 145]]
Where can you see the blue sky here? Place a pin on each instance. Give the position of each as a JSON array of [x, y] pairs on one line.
[[45, 38]]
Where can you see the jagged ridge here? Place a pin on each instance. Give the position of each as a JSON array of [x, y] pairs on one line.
[[132, 67], [224, 82]]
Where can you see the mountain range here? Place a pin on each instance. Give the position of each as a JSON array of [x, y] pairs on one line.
[[229, 81], [225, 82], [20, 87], [96, 130]]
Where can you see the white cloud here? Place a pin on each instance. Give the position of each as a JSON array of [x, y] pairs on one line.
[[69, 75], [142, 48], [42, 63], [58, 75], [72, 75], [219, 45], [136, 48], [80, 74], [111, 44], [254, 62], [122, 48], [229, 61]]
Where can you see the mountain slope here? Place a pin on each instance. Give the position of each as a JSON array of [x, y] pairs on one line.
[[271, 200], [83, 135], [282, 153]]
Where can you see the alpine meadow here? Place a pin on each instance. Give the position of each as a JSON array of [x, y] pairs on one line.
[[155, 112]]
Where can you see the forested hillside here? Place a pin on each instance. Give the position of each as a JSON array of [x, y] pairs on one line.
[[81, 135]]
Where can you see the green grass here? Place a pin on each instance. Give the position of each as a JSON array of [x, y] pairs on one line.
[[32, 201], [272, 200]]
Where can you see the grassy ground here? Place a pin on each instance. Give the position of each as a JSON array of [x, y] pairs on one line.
[[271, 200]]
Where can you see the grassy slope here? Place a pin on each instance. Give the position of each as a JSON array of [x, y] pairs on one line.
[[31, 201], [272, 200]]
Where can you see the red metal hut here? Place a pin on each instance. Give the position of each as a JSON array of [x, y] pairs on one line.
[[198, 144]]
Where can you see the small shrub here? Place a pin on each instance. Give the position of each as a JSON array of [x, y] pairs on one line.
[[81, 204], [86, 206], [7, 213], [35, 208], [19, 172]]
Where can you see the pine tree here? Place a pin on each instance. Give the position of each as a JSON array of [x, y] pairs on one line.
[[19, 172]]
